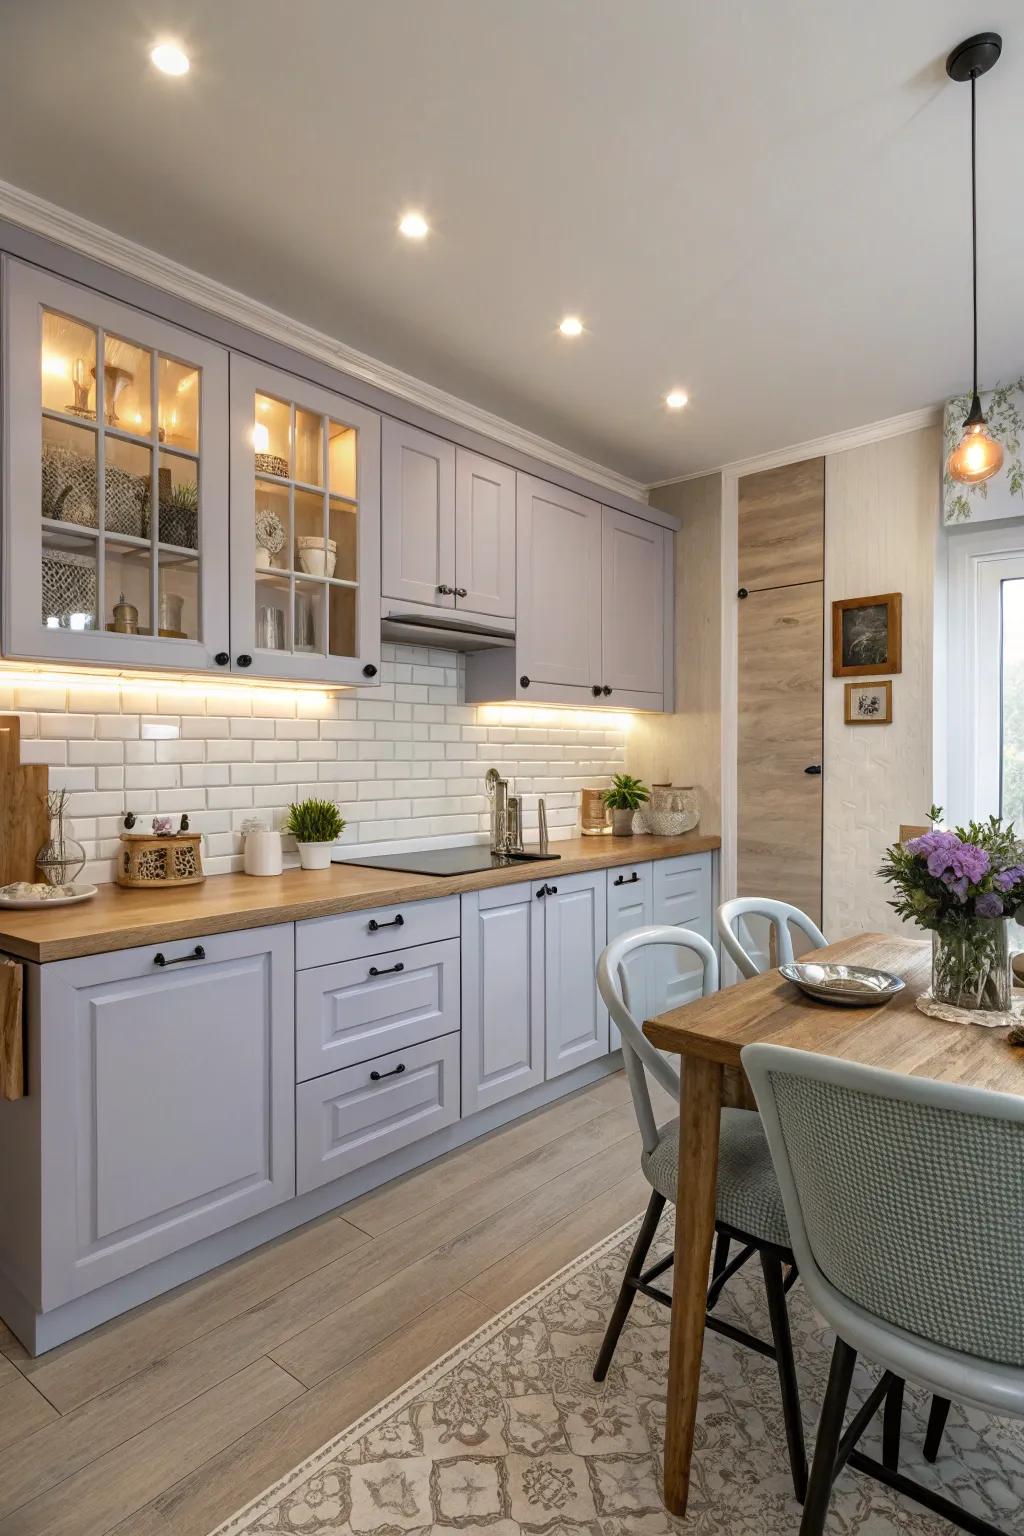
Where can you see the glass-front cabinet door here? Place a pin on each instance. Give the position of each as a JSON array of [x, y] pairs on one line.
[[305, 529], [116, 492]]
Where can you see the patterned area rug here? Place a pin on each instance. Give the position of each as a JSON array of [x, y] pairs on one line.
[[509, 1435]]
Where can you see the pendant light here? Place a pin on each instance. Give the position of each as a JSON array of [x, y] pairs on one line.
[[977, 456]]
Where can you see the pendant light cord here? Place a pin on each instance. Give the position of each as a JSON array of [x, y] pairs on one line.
[[974, 230]]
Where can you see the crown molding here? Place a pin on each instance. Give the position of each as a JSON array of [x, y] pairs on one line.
[[817, 447], [114, 250]]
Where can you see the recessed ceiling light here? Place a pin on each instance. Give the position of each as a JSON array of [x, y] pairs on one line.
[[572, 325], [676, 399], [414, 226], [170, 59]]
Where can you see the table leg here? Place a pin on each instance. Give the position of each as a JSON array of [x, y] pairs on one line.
[[699, 1118]]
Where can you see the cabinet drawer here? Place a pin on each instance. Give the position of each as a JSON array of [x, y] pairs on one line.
[[347, 1013], [350, 1118], [350, 935]]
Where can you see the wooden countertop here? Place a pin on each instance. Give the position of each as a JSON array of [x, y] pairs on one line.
[[119, 919]]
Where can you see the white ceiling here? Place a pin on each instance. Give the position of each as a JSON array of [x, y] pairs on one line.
[[765, 204]]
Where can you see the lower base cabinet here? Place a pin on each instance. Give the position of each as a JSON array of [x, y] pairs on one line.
[[502, 995], [575, 924], [166, 1100], [347, 1119], [682, 897]]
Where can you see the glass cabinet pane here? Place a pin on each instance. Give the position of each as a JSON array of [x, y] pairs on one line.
[[309, 616], [179, 404], [273, 526], [342, 459], [271, 437], [69, 474], [341, 530], [178, 597], [128, 479], [128, 582], [273, 609], [69, 580], [127, 386], [68, 366], [178, 502], [341, 629], [309, 449]]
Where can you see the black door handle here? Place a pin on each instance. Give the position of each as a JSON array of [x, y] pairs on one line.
[[244, 661], [376, 1077], [445, 590], [596, 690], [524, 682], [396, 922], [461, 592], [547, 890], [813, 768], [222, 658], [369, 670], [199, 953], [374, 971], [634, 877], [606, 691]]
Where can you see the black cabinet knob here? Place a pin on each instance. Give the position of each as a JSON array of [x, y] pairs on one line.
[[369, 670], [222, 658], [461, 592], [445, 590], [742, 592], [524, 682], [244, 661], [813, 768], [596, 690]]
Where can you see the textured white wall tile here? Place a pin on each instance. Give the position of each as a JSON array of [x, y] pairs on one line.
[[403, 760]]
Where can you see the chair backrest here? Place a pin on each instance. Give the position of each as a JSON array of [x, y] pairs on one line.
[[779, 914], [904, 1196], [638, 1054]]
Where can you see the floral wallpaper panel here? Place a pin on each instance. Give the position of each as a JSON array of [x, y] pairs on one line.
[[1003, 495]]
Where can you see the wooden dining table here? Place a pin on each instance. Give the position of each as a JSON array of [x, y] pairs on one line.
[[709, 1034]]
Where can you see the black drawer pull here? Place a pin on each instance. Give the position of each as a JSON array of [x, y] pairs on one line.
[[199, 953], [814, 768], [621, 880], [375, 1077], [396, 922], [374, 971]]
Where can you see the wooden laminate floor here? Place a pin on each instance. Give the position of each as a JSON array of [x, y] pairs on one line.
[[165, 1421]]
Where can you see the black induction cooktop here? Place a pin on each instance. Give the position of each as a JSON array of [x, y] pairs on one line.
[[446, 861]]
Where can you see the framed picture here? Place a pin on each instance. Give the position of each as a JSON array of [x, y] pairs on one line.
[[867, 635], [868, 703]]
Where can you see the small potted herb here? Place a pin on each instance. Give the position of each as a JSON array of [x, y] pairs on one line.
[[624, 799], [315, 826]]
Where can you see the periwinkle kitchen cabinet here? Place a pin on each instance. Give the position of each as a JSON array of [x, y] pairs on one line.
[[575, 1018], [594, 608], [631, 905], [448, 526], [161, 1107], [502, 994]]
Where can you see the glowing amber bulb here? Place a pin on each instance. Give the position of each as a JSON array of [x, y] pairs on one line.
[[977, 456]]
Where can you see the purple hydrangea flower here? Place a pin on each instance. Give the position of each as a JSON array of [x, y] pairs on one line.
[[988, 905], [958, 864], [1008, 878]]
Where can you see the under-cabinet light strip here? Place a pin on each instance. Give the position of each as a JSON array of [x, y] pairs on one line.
[[62, 681]]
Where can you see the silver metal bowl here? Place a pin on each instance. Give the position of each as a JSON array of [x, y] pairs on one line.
[[855, 986]]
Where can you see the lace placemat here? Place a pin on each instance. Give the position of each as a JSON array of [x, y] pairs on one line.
[[986, 1018]]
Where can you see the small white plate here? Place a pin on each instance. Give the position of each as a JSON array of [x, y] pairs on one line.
[[40, 903], [856, 986]]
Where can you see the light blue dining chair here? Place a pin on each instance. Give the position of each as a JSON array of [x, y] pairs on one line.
[[748, 1207], [732, 919], [905, 1201]]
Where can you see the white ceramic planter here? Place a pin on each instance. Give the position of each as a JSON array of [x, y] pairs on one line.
[[315, 855], [622, 823]]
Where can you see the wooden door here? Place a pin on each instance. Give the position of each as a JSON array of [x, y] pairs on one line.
[[632, 610], [485, 535], [168, 1112], [780, 733], [781, 649], [502, 995], [575, 924], [305, 529], [417, 515], [558, 575]]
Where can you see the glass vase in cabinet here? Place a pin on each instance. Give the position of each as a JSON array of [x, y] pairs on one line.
[[305, 529], [116, 504]]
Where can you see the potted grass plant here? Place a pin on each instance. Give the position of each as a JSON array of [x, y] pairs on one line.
[[315, 825], [624, 799]]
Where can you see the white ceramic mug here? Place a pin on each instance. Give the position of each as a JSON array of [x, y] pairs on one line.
[[262, 853]]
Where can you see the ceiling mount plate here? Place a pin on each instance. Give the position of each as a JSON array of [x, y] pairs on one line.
[[974, 56]]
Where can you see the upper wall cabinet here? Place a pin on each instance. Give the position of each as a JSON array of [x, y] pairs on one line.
[[594, 619], [449, 525], [305, 529], [116, 487]]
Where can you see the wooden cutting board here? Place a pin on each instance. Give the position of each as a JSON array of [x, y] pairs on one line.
[[24, 822]]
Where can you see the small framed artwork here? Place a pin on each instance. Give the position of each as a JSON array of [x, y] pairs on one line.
[[867, 635], [868, 703]]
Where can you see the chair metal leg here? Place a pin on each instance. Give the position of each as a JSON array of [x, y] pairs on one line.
[[830, 1430], [892, 1425], [937, 1416], [779, 1315], [627, 1292], [718, 1264]]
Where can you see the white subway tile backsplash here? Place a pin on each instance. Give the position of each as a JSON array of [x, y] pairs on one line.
[[403, 760]]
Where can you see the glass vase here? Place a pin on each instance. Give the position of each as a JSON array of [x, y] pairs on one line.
[[61, 860], [971, 965]]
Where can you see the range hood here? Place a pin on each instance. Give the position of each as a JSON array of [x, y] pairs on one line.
[[420, 624]]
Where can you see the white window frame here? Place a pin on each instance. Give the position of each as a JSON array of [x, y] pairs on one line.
[[969, 706]]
